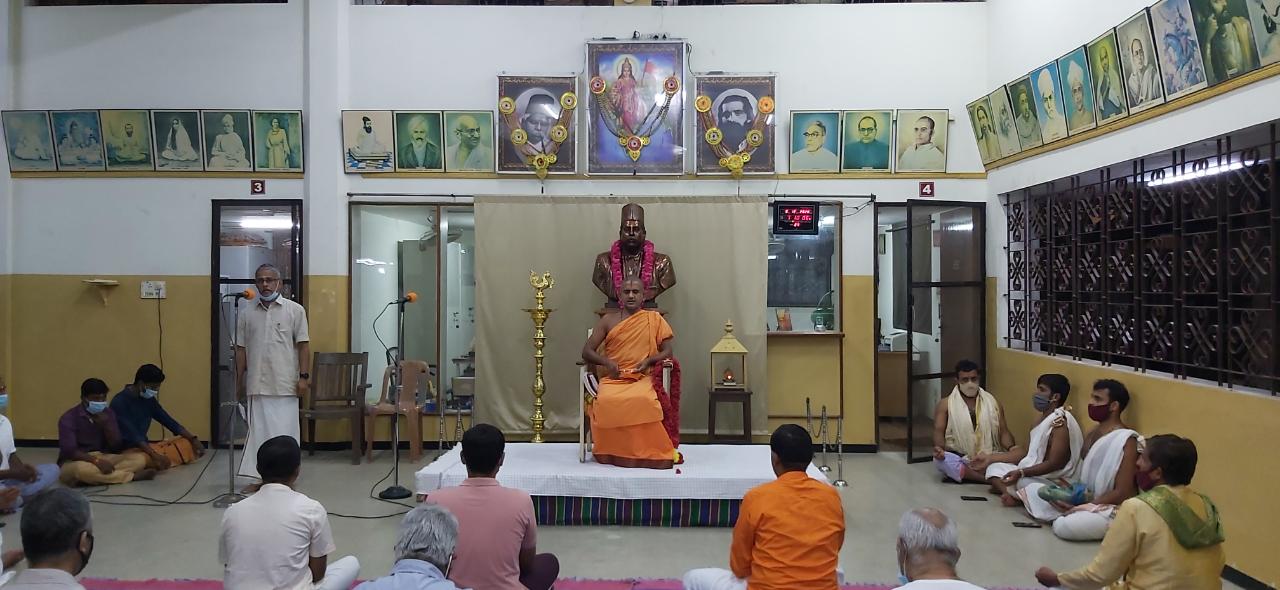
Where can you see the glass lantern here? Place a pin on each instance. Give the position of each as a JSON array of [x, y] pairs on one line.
[[728, 362]]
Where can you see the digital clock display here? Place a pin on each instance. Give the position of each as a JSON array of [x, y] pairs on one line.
[[792, 218]]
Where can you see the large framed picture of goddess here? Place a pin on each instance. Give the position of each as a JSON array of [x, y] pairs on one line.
[[635, 107], [735, 124], [547, 137]]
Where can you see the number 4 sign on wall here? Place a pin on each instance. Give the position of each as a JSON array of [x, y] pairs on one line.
[[926, 188]]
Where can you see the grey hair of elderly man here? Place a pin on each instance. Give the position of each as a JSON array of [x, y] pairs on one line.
[[428, 533], [927, 544], [57, 530]]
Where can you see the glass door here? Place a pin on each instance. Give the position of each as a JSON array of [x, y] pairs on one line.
[[946, 294], [246, 234]]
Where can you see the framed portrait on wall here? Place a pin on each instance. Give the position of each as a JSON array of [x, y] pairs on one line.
[[1109, 99], [468, 141], [984, 131], [28, 141], [228, 141], [127, 138], [178, 144], [1022, 96], [815, 142], [536, 106], [1264, 19], [735, 129], [922, 140], [1178, 49], [1077, 91], [868, 141], [1226, 38], [1053, 125], [277, 141], [418, 139], [367, 140], [1143, 84], [1006, 130], [635, 113], [77, 139]]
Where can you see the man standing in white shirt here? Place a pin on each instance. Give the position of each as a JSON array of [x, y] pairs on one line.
[[928, 550], [273, 360], [279, 539]]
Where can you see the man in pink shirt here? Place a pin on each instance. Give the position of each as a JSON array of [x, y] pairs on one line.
[[497, 531]]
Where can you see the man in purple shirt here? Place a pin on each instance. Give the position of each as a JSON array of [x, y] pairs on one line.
[[90, 448], [497, 531]]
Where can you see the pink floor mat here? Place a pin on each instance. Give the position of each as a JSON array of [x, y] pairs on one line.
[[101, 584]]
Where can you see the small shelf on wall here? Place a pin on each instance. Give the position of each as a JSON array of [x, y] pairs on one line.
[[104, 287]]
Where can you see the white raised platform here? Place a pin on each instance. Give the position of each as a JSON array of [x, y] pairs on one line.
[[710, 472]]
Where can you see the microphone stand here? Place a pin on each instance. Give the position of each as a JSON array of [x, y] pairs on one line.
[[395, 491], [232, 496]]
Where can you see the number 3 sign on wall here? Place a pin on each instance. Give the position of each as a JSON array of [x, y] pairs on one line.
[[259, 187]]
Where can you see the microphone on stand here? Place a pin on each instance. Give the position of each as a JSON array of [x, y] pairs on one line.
[[396, 491], [409, 297], [247, 294]]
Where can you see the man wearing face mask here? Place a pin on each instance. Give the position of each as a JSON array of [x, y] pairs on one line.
[[1081, 508], [89, 443], [1053, 447], [18, 481], [57, 536], [1167, 537], [137, 405], [969, 428], [273, 362], [928, 551]]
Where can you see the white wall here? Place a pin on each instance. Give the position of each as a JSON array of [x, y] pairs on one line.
[[1021, 41], [142, 57]]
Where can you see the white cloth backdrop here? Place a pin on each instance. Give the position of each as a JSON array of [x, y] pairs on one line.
[[719, 247]]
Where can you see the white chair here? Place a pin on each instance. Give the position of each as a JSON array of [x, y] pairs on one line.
[[589, 388]]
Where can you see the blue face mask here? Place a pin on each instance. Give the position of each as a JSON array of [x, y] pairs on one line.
[[902, 579], [4, 401], [272, 297], [149, 393], [96, 407]]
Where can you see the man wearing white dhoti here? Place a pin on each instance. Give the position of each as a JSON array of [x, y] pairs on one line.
[[1081, 508], [273, 357], [1053, 447], [968, 427]]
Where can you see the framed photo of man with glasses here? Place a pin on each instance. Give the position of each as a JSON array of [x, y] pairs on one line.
[[815, 142], [468, 141], [867, 138]]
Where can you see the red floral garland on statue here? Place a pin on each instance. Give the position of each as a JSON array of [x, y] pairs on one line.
[[615, 265], [669, 400]]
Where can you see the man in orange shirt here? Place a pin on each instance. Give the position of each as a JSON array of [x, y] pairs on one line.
[[789, 531]]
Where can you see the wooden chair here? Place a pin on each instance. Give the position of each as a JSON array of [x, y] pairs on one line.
[[337, 391], [589, 388], [417, 377]]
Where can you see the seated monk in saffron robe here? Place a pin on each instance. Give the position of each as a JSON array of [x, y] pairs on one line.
[[626, 416]]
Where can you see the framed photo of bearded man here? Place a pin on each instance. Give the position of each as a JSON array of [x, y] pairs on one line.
[[635, 107], [537, 108], [736, 127]]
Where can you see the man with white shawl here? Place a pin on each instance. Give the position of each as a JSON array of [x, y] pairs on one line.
[[1082, 507], [1053, 447], [968, 427]]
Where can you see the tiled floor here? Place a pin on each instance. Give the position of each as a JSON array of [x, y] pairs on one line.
[[182, 541]]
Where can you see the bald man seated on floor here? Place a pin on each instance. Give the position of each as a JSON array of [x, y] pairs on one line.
[[789, 531]]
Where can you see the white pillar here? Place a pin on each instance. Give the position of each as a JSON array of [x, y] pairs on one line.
[[325, 82]]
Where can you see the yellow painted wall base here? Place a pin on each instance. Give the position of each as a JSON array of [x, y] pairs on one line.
[[1235, 435]]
